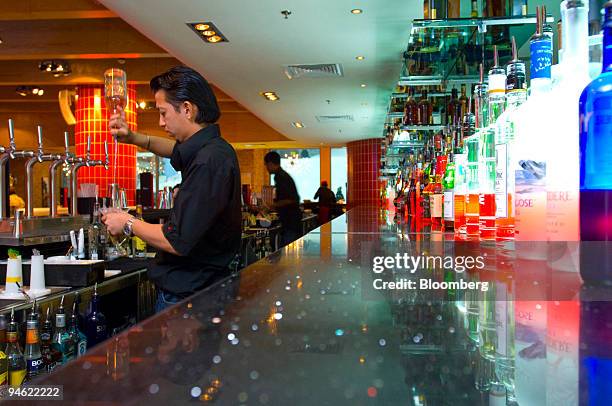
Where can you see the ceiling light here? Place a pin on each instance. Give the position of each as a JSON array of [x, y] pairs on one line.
[[360, 57], [41, 92], [56, 67], [35, 90], [271, 96], [363, 85], [214, 38], [29, 91], [207, 31], [298, 124], [142, 104], [1, 41], [356, 11]]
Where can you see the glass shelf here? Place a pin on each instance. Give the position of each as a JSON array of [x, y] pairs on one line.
[[422, 127], [429, 94], [481, 23]]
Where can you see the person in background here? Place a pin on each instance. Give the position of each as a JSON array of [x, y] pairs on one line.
[[201, 238], [287, 201], [339, 195], [326, 200], [15, 201]]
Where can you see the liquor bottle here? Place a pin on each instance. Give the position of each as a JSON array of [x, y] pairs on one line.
[[463, 99], [532, 141], [16, 360], [454, 110], [487, 168], [438, 9], [62, 340], [32, 354], [78, 338], [474, 12], [97, 236], [52, 358], [427, 191], [448, 185], [454, 9], [424, 109], [411, 109], [95, 322], [3, 357], [139, 246], [437, 194], [516, 95], [595, 168], [426, 8], [472, 204]]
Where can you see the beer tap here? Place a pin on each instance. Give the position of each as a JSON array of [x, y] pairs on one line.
[[77, 163], [6, 154], [38, 158], [106, 158], [61, 160]]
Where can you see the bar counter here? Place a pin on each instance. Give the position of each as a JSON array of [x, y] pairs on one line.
[[305, 326]]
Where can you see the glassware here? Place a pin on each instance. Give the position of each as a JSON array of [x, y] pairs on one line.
[[115, 92]]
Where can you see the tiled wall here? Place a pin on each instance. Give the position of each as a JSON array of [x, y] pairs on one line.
[[92, 120], [363, 172]]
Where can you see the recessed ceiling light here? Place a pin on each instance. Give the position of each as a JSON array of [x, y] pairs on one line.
[[214, 38], [207, 31], [270, 96], [363, 85], [142, 104], [360, 57], [298, 124], [41, 92], [356, 11], [201, 27], [1, 42]]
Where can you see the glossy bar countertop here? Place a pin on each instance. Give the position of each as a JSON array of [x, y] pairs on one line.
[[305, 326]]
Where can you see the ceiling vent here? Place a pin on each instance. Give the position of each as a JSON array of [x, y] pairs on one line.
[[326, 70], [334, 119]]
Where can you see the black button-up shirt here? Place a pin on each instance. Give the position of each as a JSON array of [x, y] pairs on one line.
[[204, 225], [290, 215]]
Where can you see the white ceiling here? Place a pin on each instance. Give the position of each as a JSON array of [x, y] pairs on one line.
[[262, 41]]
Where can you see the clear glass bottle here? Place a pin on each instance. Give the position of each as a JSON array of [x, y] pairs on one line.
[[32, 354], [595, 168], [52, 358], [448, 186], [16, 360]]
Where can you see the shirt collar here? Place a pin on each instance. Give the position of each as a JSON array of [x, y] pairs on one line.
[[184, 152]]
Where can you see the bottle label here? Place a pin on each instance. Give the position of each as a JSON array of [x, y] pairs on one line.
[[16, 378], [541, 58], [497, 83], [530, 204], [32, 336], [436, 205], [449, 208], [34, 366], [501, 181], [81, 348]]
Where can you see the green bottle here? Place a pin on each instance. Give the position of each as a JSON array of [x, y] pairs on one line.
[[62, 339], [78, 338], [448, 185], [16, 360]]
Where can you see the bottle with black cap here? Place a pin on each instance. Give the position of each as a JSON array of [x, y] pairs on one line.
[[95, 322], [16, 360], [33, 356], [62, 339], [52, 358]]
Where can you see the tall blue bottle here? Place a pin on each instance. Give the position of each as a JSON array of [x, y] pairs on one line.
[[95, 322], [596, 168]]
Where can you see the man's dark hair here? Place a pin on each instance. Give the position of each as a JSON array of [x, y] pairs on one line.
[[273, 157], [183, 84], [177, 186]]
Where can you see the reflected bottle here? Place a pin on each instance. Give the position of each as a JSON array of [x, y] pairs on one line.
[[595, 168]]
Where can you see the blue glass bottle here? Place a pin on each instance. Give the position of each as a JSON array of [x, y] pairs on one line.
[[596, 168], [95, 322]]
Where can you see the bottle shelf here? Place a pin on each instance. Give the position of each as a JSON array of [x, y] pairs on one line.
[[437, 127], [429, 94], [480, 23], [406, 80]]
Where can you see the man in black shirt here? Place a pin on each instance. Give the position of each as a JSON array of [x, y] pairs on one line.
[[287, 201], [203, 232], [326, 200]]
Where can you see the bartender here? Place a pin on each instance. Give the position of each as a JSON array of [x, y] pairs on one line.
[[202, 235], [287, 201]]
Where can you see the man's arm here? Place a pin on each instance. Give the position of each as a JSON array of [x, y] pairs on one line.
[[153, 235], [158, 145]]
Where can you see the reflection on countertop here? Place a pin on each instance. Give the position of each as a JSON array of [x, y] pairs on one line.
[[307, 325]]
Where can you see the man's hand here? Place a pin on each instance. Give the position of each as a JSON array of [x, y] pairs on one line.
[[115, 222], [119, 127]]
